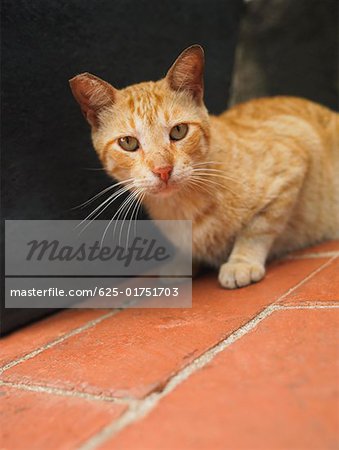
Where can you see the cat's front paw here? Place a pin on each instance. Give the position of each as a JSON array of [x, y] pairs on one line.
[[234, 275]]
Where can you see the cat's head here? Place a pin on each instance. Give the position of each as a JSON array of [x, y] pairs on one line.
[[152, 133]]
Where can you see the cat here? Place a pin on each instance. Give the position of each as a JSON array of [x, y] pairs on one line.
[[259, 180]]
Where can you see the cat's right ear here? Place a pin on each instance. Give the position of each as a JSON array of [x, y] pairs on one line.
[[92, 94]]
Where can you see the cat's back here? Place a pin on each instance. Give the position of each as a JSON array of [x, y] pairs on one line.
[[284, 116], [259, 110], [265, 108], [305, 128]]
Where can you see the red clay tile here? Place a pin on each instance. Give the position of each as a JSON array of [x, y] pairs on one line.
[[31, 420], [275, 388], [137, 351], [328, 246], [323, 287], [24, 341]]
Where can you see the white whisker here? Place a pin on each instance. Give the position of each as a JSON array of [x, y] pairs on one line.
[[216, 172], [127, 209], [102, 192], [213, 173], [106, 202], [117, 214], [214, 183], [135, 212], [201, 181], [202, 163]]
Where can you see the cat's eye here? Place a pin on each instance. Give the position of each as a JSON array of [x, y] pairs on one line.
[[128, 143], [179, 131]]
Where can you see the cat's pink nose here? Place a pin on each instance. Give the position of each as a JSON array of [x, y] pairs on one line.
[[163, 172]]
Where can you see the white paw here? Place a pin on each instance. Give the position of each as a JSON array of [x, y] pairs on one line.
[[233, 275]]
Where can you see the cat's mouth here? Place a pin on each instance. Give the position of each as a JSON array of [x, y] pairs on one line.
[[164, 189]]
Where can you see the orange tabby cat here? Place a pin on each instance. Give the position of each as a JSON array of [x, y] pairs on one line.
[[258, 180]]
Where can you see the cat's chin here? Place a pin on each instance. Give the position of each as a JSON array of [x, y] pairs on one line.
[[164, 191]]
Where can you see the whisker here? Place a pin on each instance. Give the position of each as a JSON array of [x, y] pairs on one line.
[[131, 203], [215, 183], [206, 180], [137, 211], [113, 196], [209, 169], [205, 162], [213, 173], [102, 192], [202, 181], [198, 185], [218, 175], [121, 210], [216, 172], [117, 213], [110, 201], [134, 212], [244, 206], [135, 204], [94, 197]]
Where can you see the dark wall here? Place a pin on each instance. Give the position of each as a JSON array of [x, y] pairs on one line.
[[288, 47]]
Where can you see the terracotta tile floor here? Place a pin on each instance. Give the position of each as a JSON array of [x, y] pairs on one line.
[[248, 369]]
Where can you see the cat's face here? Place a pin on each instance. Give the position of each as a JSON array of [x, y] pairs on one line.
[[152, 134]]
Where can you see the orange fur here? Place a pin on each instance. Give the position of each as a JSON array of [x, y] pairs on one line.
[[257, 181]]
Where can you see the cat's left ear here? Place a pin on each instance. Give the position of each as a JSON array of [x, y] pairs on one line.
[[187, 72], [93, 94]]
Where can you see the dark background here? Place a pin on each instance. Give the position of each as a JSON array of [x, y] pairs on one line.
[[288, 47], [283, 47]]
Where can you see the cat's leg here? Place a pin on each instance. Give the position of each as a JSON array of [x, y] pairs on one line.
[[246, 263]]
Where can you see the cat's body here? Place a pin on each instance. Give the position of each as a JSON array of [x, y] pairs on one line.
[[257, 181], [270, 144]]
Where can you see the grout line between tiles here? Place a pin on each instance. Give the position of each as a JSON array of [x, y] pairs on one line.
[[308, 306], [303, 281], [312, 255], [66, 393], [140, 408], [62, 338]]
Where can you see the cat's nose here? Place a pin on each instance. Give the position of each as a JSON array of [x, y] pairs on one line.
[[163, 172]]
